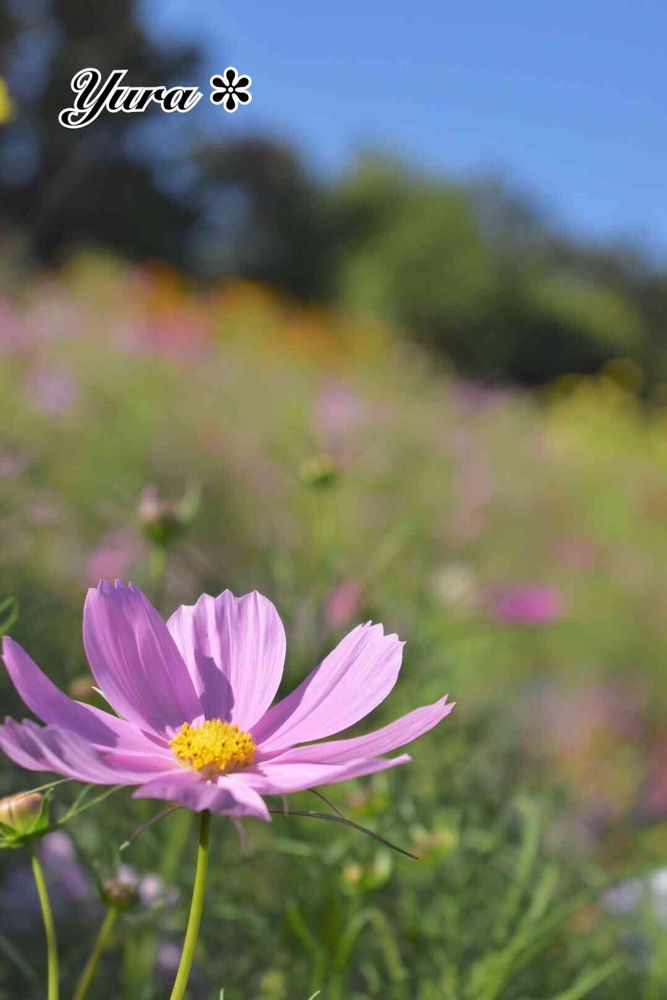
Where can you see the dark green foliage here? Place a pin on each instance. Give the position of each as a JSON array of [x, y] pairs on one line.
[[66, 187]]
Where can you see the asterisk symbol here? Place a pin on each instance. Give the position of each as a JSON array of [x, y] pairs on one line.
[[231, 89]]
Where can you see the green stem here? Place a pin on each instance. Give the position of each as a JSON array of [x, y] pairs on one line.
[[157, 572], [49, 928], [196, 907], [90, 968]]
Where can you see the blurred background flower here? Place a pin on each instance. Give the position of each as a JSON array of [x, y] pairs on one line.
[[528, 604]]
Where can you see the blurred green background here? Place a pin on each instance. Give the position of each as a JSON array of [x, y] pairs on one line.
[[378, 394]]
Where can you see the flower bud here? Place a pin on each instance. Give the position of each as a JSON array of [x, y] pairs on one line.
[[163, 521], [319, 472], [20, 812], [119, 895]]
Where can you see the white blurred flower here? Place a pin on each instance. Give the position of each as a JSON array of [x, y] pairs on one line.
[[634, 894], [657, 886], [454, 585]]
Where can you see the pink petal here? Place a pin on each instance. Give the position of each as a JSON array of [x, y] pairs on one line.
[[18, 743], [349, 683], [52, 706], [234, 648], [396, 734], [135, 661], [48, 748], [142, 763], [272, 778], [225, 796]]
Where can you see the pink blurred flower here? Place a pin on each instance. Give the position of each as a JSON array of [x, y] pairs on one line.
[[12, 464], [472, 480], [13, 333], [463, 527], [654, 797], [52, 391], [184, 334], [562, 718], [114, 556], [151, 890], [167, 959], [69, 886], [624, 898], [473, 484], [470, 398], [338, 411], [343, 604], [578, 554], [61, 863], [530, 604], [593, 735], [56, 315]]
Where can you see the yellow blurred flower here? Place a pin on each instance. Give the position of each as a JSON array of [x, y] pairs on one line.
[[7, 106]]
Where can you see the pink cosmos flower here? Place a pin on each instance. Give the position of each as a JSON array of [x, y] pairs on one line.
[[195, 722], [339, 413], [343, 603], [117, 551], [533, 604]]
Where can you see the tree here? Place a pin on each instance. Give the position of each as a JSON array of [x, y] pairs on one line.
[[409, 249], [100, 185], [265, 216]]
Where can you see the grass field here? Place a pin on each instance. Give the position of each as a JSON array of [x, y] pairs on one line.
[[517, 543]]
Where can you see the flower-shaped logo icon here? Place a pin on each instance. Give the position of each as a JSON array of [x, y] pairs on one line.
[[231, 89]]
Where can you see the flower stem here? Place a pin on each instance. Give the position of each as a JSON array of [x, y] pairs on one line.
[[90, 968], [196, 907], [49, 928]]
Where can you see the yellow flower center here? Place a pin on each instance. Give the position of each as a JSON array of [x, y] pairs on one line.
[[214, 747]]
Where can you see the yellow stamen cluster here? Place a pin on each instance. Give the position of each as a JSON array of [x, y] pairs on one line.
[[214, 747]]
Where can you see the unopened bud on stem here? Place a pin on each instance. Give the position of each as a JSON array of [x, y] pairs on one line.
[[162, 520], [319, 472], [119, 895], [20, 811]]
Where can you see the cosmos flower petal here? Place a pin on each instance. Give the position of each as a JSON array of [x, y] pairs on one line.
[[277, 778], [48, 748], [349, 683], [234, 648], [227, 795], [152, 763], [52, 706], [135, 660], [396, 734], [18, 742]]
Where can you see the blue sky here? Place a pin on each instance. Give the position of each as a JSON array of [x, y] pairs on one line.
[[566, 101]]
